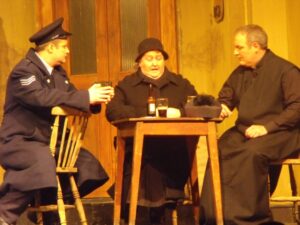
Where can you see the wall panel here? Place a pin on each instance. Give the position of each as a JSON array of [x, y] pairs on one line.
[[206, 47], [14, 33]]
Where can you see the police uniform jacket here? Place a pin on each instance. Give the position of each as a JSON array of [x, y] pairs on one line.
[[26, 127]]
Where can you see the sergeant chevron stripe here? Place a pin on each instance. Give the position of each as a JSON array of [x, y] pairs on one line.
[[28, 81]]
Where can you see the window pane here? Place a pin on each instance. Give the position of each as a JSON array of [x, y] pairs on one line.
[[133, 29], [83, 39]]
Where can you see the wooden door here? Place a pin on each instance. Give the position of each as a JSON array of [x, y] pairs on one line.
[[103, 47]]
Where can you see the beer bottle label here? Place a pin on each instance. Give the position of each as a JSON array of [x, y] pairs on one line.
[[151, 109]]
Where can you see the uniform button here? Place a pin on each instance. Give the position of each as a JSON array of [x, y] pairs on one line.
[[48, 81], [67, 82]]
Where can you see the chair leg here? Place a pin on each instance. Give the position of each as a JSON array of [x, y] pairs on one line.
[[196, 211], [174, 217], [296, 212], [61, 204], [78, 202], [39, 214]]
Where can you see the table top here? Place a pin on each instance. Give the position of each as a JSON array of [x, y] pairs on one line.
[[164, 119]]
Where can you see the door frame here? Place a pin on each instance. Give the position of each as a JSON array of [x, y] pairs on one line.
[[161, 24]]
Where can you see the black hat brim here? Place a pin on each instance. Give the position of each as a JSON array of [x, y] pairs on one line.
[[165, 54]]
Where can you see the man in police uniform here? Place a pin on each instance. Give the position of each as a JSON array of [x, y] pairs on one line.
[[36, 84]]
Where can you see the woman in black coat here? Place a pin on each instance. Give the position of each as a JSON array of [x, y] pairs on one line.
[[165, 165]]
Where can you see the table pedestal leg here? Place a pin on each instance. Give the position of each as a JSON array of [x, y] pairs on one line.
[[119, 180], [215, 171], [136, 171]]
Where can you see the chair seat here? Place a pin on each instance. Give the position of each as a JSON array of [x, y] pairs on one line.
[[66, 170], [293, 197], [65, 143], [286, 199], [287, 162]]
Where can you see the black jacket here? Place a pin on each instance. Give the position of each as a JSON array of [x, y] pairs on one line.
[[165, 165], [26, 128], [131, 94], [30, 94]]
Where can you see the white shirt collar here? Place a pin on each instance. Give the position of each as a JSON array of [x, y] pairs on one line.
[[48, 67]]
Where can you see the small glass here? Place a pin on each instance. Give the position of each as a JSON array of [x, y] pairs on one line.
[[190, 99], [104, 83], [162, 106]]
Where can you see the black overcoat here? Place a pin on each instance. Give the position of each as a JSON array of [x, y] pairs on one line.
[[165, 165], [267, 95]]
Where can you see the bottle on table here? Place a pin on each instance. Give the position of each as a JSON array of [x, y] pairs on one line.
[[151, 108]]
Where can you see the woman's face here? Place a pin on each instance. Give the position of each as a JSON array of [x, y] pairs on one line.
[[152, 64]]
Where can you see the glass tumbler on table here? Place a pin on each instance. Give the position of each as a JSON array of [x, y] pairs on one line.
[[162, 106]]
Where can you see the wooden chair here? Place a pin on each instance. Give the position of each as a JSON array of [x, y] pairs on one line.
[[294, 197], [66, 139]]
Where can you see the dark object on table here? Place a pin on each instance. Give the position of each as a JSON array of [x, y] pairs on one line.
[[203, 105]]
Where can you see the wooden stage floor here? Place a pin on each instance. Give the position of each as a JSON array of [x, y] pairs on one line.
[[99, 211]]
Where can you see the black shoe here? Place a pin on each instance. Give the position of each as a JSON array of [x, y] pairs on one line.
[[157, 215], [272, 223], [32, 217], [49, 218]]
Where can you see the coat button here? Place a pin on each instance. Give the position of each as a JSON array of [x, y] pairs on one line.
[[48, 81]]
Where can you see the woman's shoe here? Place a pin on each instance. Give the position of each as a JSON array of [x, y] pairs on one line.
[[157, 215]]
